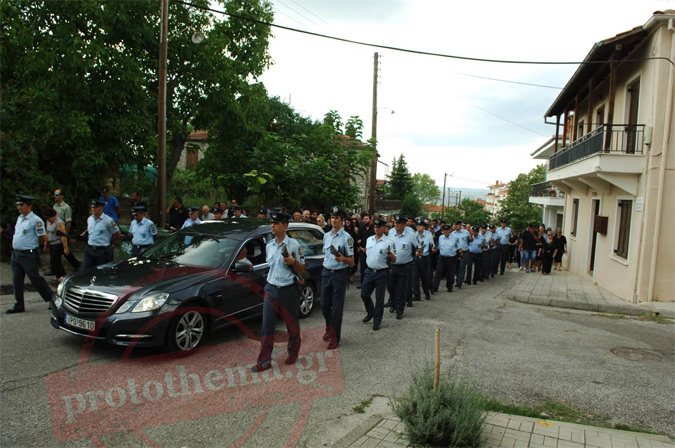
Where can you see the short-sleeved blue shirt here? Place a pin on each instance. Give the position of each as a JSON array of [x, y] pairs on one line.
[[342, 242], [142, 232], [280, 274], [101, 230], [376, 252], [110, 208], [404, 245], [27, 232], [448, 246]]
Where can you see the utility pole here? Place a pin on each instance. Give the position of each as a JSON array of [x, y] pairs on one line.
[[373, 163], [161, 120], [459, 201], [445, 177]]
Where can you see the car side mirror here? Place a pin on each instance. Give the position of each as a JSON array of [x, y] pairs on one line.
[[241, 266]]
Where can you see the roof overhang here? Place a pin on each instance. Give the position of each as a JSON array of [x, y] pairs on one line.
[[545, 151]]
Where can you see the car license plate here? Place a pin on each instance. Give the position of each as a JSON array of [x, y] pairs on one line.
[[80, 323]]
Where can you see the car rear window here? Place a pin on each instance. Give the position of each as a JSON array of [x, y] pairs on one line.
[[311, 240]]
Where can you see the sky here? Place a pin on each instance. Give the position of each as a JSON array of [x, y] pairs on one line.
[[441, 113]]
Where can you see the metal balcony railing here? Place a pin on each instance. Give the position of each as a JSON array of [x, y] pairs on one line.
[[546, 189], [607, 139]]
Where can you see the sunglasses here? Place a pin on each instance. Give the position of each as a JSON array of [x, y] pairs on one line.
[[57, 194]]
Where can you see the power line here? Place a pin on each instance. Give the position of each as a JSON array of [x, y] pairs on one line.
[[509, 121], [309, 12], [509, 81], [298, 13], [406, 50]]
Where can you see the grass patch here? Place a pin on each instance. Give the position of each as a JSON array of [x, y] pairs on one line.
[[452, 416], [361, 408], [491, 405], [652, 317]]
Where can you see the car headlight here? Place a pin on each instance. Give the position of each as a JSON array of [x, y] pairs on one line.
[[150, 302], [60, 289]]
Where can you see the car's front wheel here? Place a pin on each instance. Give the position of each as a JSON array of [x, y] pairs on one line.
[[186, 332], [307, 298]]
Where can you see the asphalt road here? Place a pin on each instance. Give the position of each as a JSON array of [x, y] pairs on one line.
[[517, 353]]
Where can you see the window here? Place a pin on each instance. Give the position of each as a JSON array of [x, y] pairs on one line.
[[311, 240], [575, 216], [624, 213], [600, 116], [580, 129]]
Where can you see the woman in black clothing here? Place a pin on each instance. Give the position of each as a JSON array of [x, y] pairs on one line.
[[513, 250], [549, 250], [562, 249]]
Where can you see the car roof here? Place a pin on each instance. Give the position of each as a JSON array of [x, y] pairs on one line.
[[242, 228]]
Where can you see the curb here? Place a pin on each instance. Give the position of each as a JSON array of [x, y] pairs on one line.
[[629, 310]]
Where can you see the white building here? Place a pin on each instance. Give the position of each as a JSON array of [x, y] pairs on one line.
[[494, 198], [547, 195]]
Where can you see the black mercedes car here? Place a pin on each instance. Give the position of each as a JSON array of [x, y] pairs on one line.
[[191, 283]]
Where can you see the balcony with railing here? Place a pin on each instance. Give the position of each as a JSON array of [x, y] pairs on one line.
[[545, 193], [616, 139]]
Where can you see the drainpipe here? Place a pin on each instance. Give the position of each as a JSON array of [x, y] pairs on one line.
[[662, 168]]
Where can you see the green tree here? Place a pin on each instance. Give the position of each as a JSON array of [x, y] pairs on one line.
[[516, 206], [473, 212], [425, 189], [400, 180], [411, 206], [79, 86]]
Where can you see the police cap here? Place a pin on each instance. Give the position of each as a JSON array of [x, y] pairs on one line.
[[492, 226], [338, 211], [194, 209], [483, 226], [98, 203], [377, 222], [420, 221], [445, 227], [458, 223], [216, 210], [474, 228], [281, 217], [138, 208], [505, 221], [24, 199], [400, 219]]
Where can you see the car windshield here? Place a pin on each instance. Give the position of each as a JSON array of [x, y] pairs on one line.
[[194, 249]]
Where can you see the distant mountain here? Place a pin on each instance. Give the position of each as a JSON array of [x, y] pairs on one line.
[[471, 193]]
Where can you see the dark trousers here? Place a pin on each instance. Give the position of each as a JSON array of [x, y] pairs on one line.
[[420, 272], [445, 268], [461, 268], [96, 256], [362, 265], [475, 263], [399, 286], [504, 256], [546, 262], [485, 267], [136, 250], [74, 262], [333, 289], [494, 260], [27, 263], [55, 264], [374, 281], [285, 302]]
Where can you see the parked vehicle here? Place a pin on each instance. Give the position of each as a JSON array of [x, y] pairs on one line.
[[183, 287]]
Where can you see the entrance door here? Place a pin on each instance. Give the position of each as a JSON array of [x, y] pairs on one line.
[[631, 129], [596, 212]]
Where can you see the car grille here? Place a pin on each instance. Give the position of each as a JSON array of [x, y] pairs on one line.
[[87, 301]]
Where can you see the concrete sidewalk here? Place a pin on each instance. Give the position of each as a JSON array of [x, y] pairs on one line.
[[385, 430], [563, 289]]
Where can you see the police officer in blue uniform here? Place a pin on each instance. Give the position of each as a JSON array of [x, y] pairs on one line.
[[378, 254], [403, 244], [282, 295], [102, 233], [424, 242], [463, 256], [487, 240], [338, 247], [494, 250], [476, 243], [142, 229], [193, 218], [503, 234], [448, 250], [29, 234]]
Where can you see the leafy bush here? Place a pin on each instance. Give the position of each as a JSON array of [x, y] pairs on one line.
[[411, 206], [451, 416]]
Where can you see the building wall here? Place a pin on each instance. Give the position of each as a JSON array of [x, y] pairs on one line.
[[630, 278]]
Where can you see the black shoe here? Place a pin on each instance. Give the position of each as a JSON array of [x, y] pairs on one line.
[[417, 299], [475, 283], [333, 345], [410, 304], [434, 291], [388, 304], [392, 309], [428, 297], [358, 286], [326, 335], [501, 273], [376, 327], [458, 286], [481, 280], [399, 316], [291, 360], [368, 318], [49, 307], [449, 289], [261, 367], [15, 310]]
